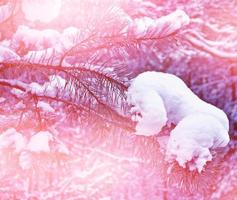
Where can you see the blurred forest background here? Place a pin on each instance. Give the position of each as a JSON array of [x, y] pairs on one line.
[[88, 117]]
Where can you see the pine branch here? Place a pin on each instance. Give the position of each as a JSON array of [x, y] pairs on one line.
[[133, 32], [100, 98], [191, 182]]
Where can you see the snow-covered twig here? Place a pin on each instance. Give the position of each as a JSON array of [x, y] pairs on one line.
[[159, 28], [111, 117], [138, 30]]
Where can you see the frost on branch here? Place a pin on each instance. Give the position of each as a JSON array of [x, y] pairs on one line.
[[159, 99], [162, 27]]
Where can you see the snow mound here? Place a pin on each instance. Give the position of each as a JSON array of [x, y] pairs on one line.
[[179, 101], [33, 39], [12, 139], [160, 99], [166, 25], [45, 106], [45, 142], [50, 88], [7, 54], [191, 140], [150, 112], [2, 99], [70, 37], [40, 142]]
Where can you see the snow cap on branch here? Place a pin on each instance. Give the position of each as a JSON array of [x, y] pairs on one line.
[[7, 54], [159, 98], [150, 112], [191, 140], [12, 139], [40, 142], [179, 101], [34, 39], [162, 27]]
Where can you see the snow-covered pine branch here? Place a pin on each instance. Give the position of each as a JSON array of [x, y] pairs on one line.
[[159, 99], [147, 28], [43, 46], [71, 71], [91, 91], [132, 32]]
